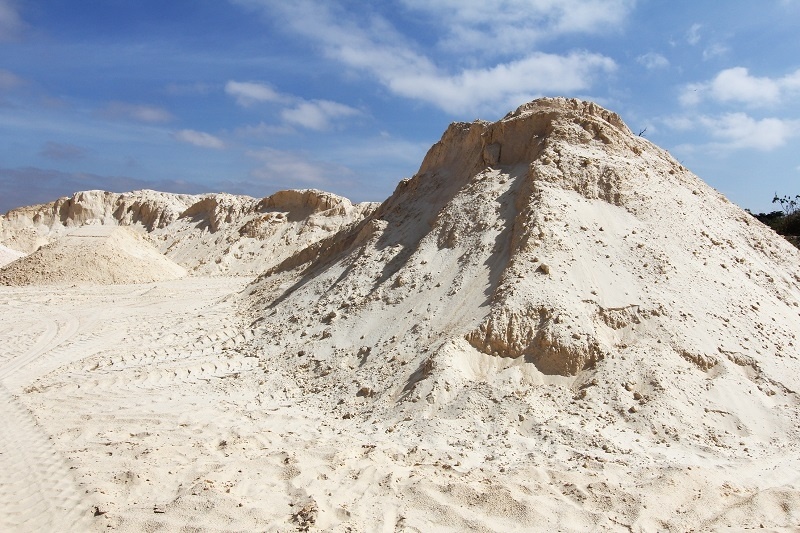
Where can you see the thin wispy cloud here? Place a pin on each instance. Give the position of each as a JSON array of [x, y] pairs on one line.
[[290, 169], [715, 50], [310, 114], [9, 80], [11, 24], [199, 138], [137, 112], [248, 93], [62, 151], [693, 35], [652, 61]]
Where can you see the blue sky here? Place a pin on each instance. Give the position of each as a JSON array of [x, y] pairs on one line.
[[254, 96]]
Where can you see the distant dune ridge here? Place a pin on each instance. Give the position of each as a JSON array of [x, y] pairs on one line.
[[212, 234], [553, 325]]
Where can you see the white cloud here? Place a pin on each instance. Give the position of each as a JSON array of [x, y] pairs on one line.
[[290, 169], [652, 61], [10, 22], [199, 138], [510, 26], [262, 129], [715, 50], [693, 35], [310, 114], [375, 47], [317, 114], [736, 85], [738, 130], [248, 93], [504, 85], [139, 113]]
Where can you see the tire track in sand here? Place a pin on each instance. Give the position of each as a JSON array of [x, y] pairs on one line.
[[37, 490]]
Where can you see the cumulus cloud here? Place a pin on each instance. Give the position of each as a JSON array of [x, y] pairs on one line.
[[140, 113], [10, 22], [248, 93], [317, 114], [736, 85], [738, 130], [372, 45], [62, 151], [652, 61], [199, 138]]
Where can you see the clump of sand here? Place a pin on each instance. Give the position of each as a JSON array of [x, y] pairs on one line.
[[93, 254]]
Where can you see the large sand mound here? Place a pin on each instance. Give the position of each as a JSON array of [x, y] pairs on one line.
[[550, 264], [93, 254]]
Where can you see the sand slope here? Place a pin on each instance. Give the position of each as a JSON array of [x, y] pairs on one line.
[[8, 255], [93, 254], [553, 326]]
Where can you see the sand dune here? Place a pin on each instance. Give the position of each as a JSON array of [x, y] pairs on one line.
[[553, 326], [93, 254]]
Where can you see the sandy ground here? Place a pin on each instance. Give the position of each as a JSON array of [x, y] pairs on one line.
[[140, 408]]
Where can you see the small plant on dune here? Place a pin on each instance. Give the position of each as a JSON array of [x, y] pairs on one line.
[[786, 221], [789, 205]]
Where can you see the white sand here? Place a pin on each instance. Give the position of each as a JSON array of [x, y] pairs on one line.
[[8, 255], [93, 254], [553, 326]]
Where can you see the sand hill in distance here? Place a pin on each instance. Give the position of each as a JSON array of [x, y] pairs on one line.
[[552, 326]]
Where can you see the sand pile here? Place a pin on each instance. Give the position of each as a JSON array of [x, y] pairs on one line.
[[550, 264], [93, 254]]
